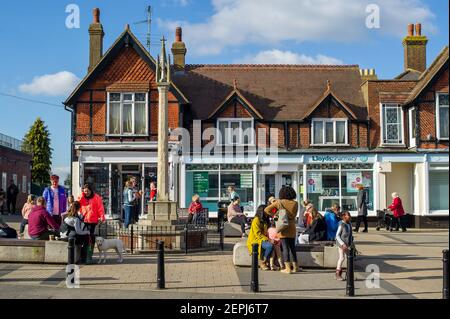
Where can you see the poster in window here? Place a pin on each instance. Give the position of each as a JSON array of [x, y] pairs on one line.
[[247, 180], [201, 183], [315, 182], [367, 179], [353, 179]]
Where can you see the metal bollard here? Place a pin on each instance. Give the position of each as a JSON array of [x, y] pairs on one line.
[[350, 288], [161, 280], [222, 246], [132, 239], [255, 279], [445, 274], [186, 232]]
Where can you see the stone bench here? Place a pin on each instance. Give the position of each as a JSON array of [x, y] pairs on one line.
[[317, 255], [231, 230], [33, 251]]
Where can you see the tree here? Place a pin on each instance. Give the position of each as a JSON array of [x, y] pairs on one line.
[[38, 140]]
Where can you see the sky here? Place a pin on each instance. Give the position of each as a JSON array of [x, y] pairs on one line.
[[42, 59]]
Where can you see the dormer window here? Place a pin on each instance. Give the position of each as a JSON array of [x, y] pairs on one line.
[[392, 124], [235, 131], [329, 132], [127, 114]]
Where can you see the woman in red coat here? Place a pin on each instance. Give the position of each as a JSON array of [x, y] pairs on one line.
[[397, 209]]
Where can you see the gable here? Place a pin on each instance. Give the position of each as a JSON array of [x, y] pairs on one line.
[[126, 61], [235, 105], [329, 106]]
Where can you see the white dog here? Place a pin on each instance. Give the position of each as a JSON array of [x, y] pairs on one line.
[[104, 245]]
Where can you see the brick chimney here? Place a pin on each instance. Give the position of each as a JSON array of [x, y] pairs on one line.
[[179, 50], [96, 35], [415, 48]]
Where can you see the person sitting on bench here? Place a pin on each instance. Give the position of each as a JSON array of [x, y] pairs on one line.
[[6, 231], [40, 224]]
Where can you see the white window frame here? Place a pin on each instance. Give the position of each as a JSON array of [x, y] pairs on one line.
[[228, 131], [132, 114], [382, 124], [334, 121], [412, 124], [438, 122], [24, 184]]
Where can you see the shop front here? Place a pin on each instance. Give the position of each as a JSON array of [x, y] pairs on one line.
[[108, 172]]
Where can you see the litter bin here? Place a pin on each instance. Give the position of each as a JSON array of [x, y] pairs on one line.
[[221, 212]]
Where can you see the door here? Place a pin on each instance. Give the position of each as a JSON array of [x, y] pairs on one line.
[[274, 183]]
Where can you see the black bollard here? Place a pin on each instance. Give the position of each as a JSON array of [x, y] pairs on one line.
[[350, 289], [445, 274], [161, 280], [186, 234], [132, 239], [222, 237], [255, 279]]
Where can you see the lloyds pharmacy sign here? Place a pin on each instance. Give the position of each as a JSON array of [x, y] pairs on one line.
[[339, 159]]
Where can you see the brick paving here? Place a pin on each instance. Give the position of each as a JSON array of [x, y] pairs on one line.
[[410, 265]]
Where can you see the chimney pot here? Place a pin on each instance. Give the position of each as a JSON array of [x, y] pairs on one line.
[[418, 29], [410, 30], [96, 15], [178, 34]]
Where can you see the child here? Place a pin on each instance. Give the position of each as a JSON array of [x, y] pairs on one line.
[[75, 228], [276, 254], [344, 240], [194, 208], [70, 201], [26, 210]]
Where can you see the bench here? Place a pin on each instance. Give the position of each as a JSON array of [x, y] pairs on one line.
[[231, 230], [315, 255], [202, 218], [33, 251]]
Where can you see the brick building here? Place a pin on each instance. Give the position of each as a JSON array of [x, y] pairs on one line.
[[331, 127], [15, 165]]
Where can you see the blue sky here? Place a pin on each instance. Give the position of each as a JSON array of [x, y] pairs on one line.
[[41, 59]]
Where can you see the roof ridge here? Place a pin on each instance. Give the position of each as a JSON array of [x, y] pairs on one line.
[[281, 66]]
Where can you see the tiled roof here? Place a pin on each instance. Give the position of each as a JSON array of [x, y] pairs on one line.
[[278, 92]]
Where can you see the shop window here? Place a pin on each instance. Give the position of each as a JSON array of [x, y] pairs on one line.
[[442, 116], [98, 176], [438, 188], [235, 131], [392, 124], [127, 114], [329, 132]]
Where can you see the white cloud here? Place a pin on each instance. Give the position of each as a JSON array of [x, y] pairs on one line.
[[58, 84], [288, 57], [267, 22]]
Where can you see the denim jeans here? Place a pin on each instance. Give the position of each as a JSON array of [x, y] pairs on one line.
[[128, 215], [266, 248], [22, 225], [288, 246]]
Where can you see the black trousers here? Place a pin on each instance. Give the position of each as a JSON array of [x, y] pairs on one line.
[[358, 222], [11, 205], [397, 223]]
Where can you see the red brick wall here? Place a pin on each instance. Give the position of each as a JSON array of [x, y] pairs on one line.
[[426, 103], [15, 162], [383, 92], [130, 71]]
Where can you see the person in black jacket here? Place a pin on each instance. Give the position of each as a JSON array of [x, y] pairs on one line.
[[11, 198], [316, 231]]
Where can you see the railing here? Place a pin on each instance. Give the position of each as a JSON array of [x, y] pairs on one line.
[[181, 237]]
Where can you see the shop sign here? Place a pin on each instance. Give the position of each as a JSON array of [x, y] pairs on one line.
[[314, 182], [339, 159], [201, 182], [246, 180]]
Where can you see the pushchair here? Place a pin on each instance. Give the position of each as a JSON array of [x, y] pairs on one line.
[[384, 219]]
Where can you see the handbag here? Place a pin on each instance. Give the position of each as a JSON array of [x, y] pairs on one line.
[[282, 219]]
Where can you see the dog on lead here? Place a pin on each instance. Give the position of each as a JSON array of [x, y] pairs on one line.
[[104, 245]]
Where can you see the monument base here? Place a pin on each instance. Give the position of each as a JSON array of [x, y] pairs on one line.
[[161, 213]]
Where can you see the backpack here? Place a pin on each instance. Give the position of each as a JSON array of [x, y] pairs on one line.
[[8, 232], [281, 219]]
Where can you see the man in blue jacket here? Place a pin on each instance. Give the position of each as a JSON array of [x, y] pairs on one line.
[[332, 220], [55, 197]]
